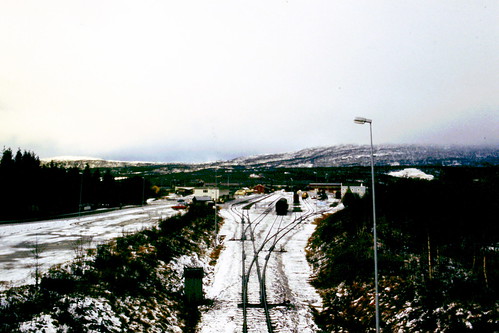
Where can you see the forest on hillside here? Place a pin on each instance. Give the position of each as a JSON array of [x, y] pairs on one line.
[[29, 190], [438, 256]]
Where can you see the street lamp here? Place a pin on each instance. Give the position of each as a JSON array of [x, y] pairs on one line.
[[215, 195], [361, 121]]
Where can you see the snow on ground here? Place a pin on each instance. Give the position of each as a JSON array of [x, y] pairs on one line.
[[71, 158], [411, 173], [57, 239], [287, 280]]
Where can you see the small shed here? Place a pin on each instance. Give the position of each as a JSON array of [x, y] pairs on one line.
[[259, 189], [202, 200]]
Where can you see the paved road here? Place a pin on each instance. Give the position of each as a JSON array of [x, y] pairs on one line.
[[57, 238]]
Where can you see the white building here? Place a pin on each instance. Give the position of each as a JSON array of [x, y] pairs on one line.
[[359, 190], [213, 192]]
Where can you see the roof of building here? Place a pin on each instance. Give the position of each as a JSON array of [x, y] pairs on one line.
[[202, 198]]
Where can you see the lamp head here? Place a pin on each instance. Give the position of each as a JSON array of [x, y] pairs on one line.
[[361, 120]]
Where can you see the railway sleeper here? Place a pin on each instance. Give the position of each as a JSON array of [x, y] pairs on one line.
[[286, 304]]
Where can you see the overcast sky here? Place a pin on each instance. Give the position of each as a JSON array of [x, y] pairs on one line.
[[204, 80]]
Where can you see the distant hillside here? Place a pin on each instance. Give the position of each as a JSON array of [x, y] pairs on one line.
[[350, 155], [93, 162], [343, 155]]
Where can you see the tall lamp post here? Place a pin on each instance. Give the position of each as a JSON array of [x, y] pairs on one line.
[[216, 194], [361, 121]]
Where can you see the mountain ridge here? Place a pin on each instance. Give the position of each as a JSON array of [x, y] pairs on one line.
[[327, 156], [352, 155]]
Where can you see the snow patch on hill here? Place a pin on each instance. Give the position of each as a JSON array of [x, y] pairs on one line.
[[411, 173]]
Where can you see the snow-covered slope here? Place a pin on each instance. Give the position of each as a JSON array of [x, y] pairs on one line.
[[70, 158], [350, 155], [331, 156], [93, 162]]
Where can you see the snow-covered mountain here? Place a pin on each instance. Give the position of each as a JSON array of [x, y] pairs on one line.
[[93, 162], [352, 155], [332, 156]]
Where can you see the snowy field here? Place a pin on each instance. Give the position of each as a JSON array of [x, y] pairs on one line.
[[60, 240], [287, 277]]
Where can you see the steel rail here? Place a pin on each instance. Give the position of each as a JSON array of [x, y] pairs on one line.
[[246, 274], [273, 237]]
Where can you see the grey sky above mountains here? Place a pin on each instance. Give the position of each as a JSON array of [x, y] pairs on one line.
[[197, 80]]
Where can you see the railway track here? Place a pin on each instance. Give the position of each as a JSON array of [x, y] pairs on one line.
[[262, 235]]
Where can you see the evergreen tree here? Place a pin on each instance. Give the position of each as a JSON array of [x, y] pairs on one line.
[[7, 162]]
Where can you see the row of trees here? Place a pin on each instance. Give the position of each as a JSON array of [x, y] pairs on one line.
[[30, 190], [437, 254]]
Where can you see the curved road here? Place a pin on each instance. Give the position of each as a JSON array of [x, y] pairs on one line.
[[60, 240]]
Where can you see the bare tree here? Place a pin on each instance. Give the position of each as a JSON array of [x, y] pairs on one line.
[[36, 250], [80, 246]]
